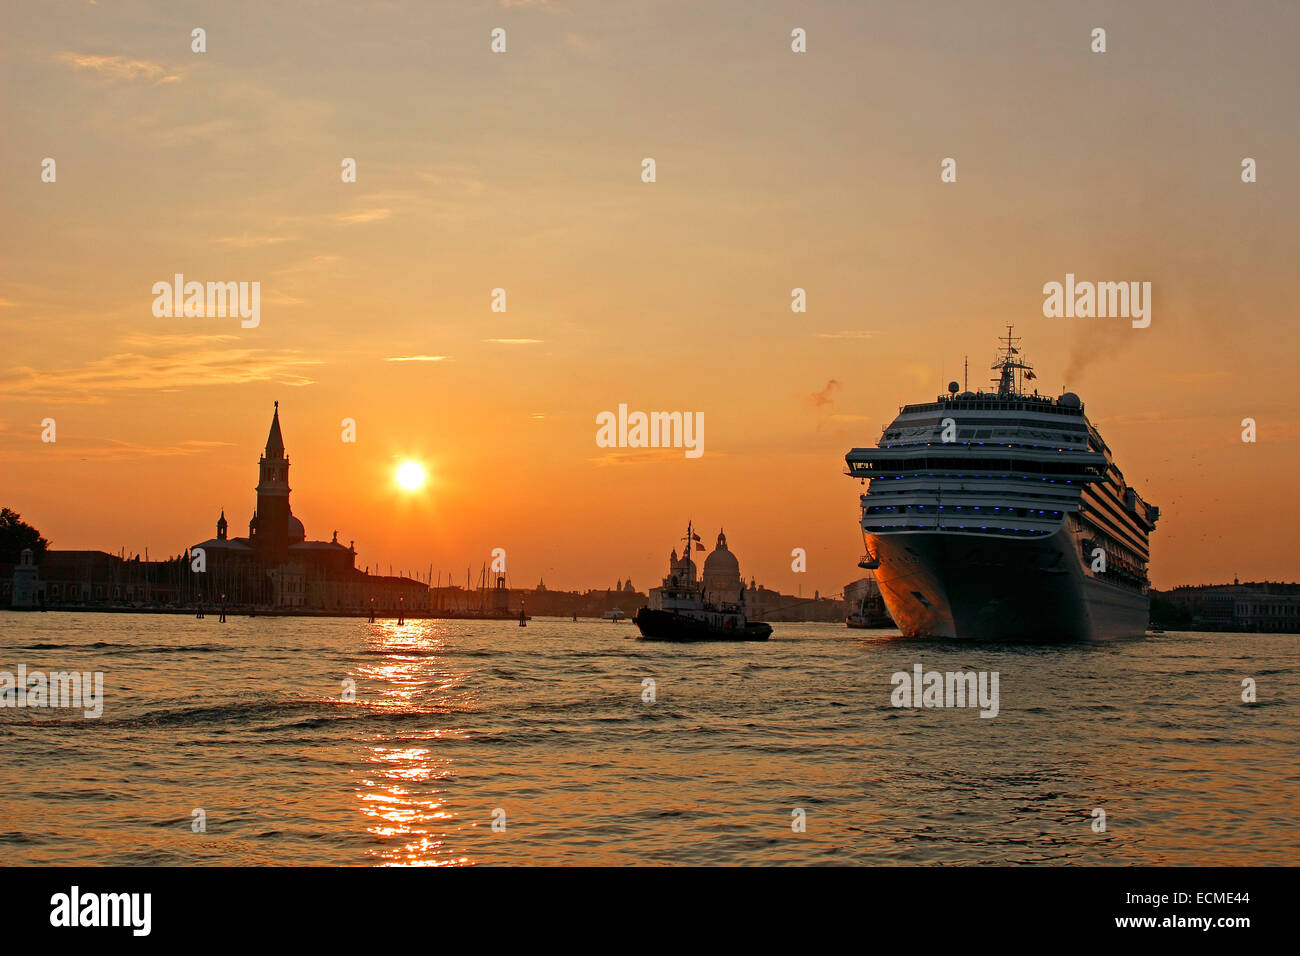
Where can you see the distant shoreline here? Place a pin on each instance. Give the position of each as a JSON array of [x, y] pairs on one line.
[[424, 615], [253, 611]]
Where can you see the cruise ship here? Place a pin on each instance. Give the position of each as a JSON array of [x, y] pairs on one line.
[[1002, 516]]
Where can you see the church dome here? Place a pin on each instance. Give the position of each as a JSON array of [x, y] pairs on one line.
[[722, 584], [722, 561], [297, 533]]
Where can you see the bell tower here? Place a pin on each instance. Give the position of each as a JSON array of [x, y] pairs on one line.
[[270, 526]]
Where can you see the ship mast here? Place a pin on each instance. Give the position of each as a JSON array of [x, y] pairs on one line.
[[1007, 366], [690, 545]]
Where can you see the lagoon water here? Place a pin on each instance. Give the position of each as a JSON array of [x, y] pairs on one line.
[[454, 720]]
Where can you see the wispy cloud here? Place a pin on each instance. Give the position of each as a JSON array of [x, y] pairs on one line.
[[362, 215], [114, 69], [516, 341], [454, 179], [251, 242], [234, 114], [172, 340], [641, 456], [280, 298], [73, 447], [207, 361], [416, 358], [848, 334], [312, 264]]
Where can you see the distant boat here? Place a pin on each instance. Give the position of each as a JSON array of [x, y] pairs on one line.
[[870, 612], [678, 610], [613, 614]]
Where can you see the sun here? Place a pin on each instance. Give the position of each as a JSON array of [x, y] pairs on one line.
[[410, 475]]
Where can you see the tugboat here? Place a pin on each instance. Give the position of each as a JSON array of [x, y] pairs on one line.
[[685, 608], [870, 610]]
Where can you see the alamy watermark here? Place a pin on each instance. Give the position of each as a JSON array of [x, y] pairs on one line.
[[55, 690], [1102, 300], [75, 908], [195, 300], [923, 688], [652, 430]]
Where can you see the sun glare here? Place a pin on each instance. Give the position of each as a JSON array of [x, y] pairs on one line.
[[410, 475]]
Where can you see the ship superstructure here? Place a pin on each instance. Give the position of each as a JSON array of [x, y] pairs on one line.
[[1001, 515]]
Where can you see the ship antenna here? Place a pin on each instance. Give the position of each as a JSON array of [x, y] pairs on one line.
[[1010, 352]]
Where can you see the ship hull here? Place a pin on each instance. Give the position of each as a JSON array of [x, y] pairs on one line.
[[990, 588], [667, 626]]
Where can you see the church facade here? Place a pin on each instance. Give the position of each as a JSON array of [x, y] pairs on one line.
[[277, 566]]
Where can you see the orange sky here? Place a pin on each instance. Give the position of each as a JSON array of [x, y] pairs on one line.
[[522, 171]]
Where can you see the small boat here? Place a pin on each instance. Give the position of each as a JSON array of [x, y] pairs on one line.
[[613, 614]]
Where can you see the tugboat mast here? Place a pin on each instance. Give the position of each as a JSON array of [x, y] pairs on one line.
[[690, 545]]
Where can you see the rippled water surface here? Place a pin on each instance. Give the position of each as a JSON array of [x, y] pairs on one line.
[[455, 720]]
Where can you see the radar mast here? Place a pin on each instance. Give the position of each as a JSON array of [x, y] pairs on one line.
[[1012, 371]]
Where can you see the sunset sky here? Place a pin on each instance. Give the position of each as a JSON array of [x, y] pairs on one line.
[[522, 171]]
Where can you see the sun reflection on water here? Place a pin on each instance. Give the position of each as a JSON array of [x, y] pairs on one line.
[[403, 789]]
